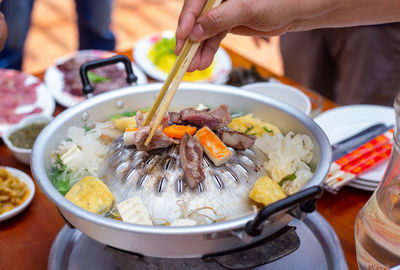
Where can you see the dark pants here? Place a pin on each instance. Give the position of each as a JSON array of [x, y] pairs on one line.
[[348, 65], [94, 18]]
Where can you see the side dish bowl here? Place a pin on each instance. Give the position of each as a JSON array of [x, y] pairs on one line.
[[175, 242], [23, 154], [31, 187]]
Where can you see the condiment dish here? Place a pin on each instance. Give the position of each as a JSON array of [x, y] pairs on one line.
[[23, 154], [282, 92], [31, 187]]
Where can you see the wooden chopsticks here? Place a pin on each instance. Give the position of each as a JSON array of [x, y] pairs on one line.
[[174, 79], [359, 161]]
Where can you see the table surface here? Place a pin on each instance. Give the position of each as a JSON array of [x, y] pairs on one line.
[[26, 239]]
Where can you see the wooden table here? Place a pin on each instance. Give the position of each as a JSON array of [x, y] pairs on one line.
[[25, 240]]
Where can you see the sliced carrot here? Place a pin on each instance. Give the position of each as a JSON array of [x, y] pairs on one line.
[[177, 131], [131, 129], [214, 148]]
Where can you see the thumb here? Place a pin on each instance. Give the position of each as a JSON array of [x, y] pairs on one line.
[[221, 18]]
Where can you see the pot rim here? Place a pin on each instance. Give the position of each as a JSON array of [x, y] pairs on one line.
[[39, 171]]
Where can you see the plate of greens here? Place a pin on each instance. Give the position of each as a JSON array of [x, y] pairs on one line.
[[155, 55], [62, 78]]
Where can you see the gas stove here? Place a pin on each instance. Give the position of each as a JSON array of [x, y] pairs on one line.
[[311, 243]]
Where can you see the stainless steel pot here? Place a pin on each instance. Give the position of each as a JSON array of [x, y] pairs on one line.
[[183, 242]]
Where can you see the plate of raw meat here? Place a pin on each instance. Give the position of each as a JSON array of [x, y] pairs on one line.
[[21, 95], [63, 80]]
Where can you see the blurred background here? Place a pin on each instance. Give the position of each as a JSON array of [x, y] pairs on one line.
[[56, 32]]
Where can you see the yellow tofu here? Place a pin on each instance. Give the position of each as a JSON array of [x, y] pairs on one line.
[[125, 122], [266, 191], [91, 194], [252, 126]]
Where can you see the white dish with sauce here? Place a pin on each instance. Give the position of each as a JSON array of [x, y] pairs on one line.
[[23, 154], [31, 188]]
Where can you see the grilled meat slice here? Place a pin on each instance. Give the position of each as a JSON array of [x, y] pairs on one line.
[[214, 119], [140, 119], [191, 158], [159, 140], [236, 139], [175, 118]]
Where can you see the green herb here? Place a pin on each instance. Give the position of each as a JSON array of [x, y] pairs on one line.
[[268, 130], [289, 177], [128, 114], [60, 176], [248, 130], [94, 78], [112, 215], [86, 127], [68, 139]]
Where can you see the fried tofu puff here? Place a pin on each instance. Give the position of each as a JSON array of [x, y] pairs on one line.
[[91, 194], [266, 191]]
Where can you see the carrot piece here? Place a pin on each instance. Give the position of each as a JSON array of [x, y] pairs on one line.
[[131, 129], [177, 131], [214, 148]]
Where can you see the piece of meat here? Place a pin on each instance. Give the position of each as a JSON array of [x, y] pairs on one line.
[[236, 139], [191, 158], [114, 76], [214, 119], [140, 119], [175, 118], [138, 137]]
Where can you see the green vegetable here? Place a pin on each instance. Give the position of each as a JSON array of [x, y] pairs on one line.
[[268, 130], [128, 114], [248, 130], [60, 176], [86, 127], [162, 47], [289, 177], [94, 78]]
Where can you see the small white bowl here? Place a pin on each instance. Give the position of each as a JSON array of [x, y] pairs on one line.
[[282, 92], [31, 187], [23, 154]]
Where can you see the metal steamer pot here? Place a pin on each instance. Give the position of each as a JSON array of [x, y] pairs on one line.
[[189, 241]]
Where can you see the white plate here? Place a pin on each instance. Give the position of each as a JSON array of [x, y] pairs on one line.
[[44, 99], [220, 73], [342, 122], [282, 92], [54, 78], [31, 186]]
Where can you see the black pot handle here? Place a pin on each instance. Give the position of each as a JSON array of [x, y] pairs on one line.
[[87, 88], [305, 199]]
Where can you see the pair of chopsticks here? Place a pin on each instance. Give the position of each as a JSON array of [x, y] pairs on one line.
[[359, 161], [174, 79]]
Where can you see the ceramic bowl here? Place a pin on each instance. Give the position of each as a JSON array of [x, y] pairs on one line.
[[282, 92], [23, 154], [31, 187]]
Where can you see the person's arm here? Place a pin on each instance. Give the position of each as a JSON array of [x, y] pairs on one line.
[[271, 17], [3, 31]]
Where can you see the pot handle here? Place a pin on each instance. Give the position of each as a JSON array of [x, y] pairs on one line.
[[305, 200], [87, 88]]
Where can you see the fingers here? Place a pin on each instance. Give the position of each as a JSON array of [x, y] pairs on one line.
[[206, 52], [3, 31], [190, 11], [222, 18]]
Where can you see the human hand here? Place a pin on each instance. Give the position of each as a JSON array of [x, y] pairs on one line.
[[265, 18], [244, 17]]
